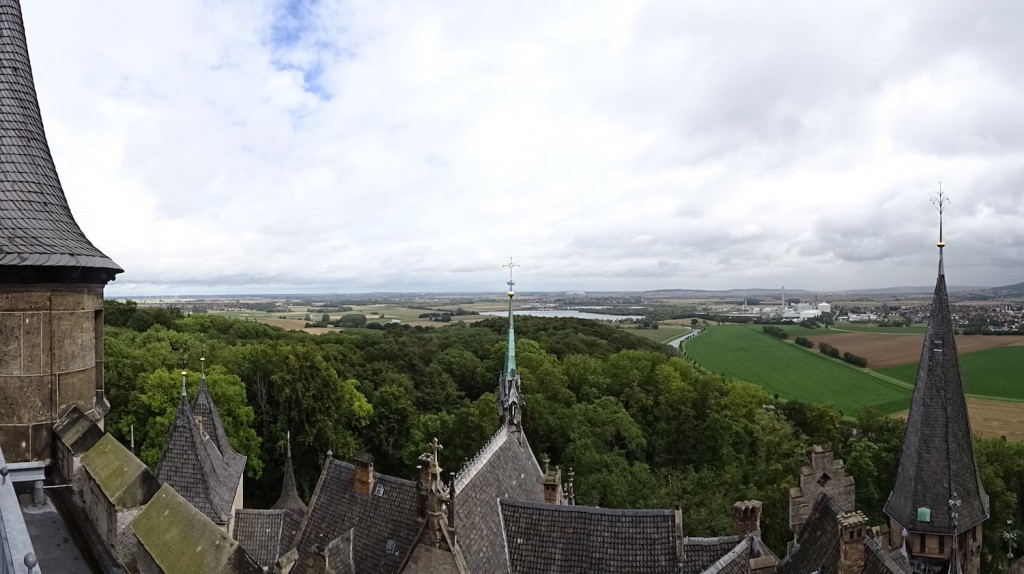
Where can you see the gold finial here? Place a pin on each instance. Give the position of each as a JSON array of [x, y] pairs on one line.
[[511, 265], [940, 202]]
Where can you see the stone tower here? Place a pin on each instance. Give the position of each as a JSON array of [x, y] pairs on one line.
[[51, 276], [938, 499]]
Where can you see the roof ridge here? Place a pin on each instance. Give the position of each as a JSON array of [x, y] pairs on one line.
[[590, 509], [730, 557], [478, 461]]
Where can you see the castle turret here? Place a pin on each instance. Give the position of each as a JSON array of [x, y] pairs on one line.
[[51, 275], [938, 498]]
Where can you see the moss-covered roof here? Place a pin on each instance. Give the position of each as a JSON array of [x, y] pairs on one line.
[[122, 477], [181, 539], [77, 431]]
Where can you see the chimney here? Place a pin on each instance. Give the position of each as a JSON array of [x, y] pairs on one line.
[[746, 516], [553, 486], [364, 473], [677, 517], [852, 531]]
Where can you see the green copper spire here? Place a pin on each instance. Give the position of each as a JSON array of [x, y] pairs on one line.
[[510, 352], [509, 395]]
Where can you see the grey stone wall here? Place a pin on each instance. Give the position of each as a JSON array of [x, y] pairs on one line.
[[51, 357]]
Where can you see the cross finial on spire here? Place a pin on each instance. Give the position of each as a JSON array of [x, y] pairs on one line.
[[940, 202], [511, 266], [435, 446]]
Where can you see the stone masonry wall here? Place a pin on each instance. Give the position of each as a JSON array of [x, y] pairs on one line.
[[51, 357]]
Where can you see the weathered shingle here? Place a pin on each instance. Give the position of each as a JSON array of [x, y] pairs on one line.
[[700, 553], [385, 521], [878, 561], [265, 534], [937, 461], [547, 538], [504, 469], [36, 224], [193, 466], [817, 545]]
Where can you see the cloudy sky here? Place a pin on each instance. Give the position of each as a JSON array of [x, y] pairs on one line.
[[283, 146]]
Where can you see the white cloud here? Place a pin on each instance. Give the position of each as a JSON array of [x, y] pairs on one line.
[[349, 146]]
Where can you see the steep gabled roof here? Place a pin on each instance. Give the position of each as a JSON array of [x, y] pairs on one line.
[[181, 539], [504, 469], [700, 553], [937, 461], [36, 225], [385, 521], [265, 534], [878, 561], [205, 411], [193, 466], [817, 545], [555, 538]]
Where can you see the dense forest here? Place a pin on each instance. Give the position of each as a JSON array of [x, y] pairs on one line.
[[639, 426]]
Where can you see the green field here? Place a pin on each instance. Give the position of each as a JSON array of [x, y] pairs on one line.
[[992, 373], [662, 334], [744, 352]]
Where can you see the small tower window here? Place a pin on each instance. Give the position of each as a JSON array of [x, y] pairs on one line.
[[924, 514]]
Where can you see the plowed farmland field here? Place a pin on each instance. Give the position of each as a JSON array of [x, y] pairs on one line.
[[994, 419], [884, 350]]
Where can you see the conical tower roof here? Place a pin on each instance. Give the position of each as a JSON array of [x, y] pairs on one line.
[[37, 230], [289, 499], [192, 465], [938, 488], [205, 412]]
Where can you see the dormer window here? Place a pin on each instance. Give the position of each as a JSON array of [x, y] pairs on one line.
[[924, 514]]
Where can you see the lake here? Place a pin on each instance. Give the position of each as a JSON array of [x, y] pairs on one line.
[[564, 313]]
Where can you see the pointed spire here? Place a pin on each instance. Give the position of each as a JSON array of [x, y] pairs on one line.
[[509, 395], [206, 414], [42, 241], [289, 499], [510, 350], [937, 462]]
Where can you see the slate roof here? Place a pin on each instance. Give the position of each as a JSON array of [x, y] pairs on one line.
[[193, 466], [551, 538], [265, 534], [204, 407], [77, 431], [182, 540], [290, 499], [817, 545], [37, 228], [937, 460], [385, 521], [878, 561], [700, 553], [504, 469], [123, 478]]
